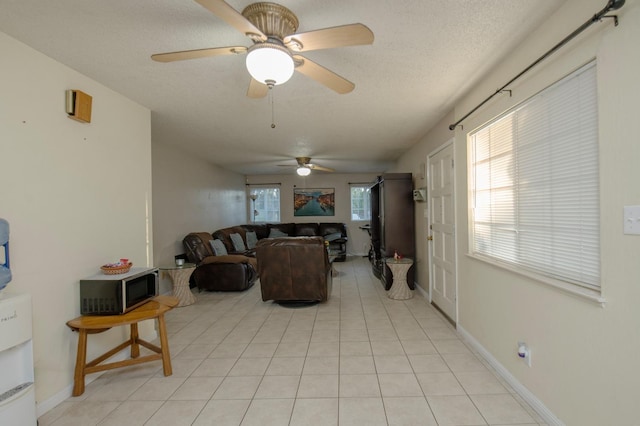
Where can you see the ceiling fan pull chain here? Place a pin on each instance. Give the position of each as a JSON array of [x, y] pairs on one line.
[[273, 119]]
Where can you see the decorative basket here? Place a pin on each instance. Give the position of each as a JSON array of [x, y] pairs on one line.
[[116, 269]]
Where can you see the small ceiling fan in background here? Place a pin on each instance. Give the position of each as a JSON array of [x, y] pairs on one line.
[[304, 167], [273, 57]]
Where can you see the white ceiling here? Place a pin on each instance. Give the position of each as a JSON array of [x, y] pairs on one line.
[[426, 55]]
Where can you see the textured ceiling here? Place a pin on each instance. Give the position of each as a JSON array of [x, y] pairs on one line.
[[426, 54]]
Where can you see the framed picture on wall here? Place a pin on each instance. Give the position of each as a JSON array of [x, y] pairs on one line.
[[314, 202]]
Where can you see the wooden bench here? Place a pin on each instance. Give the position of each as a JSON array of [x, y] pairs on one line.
[[85, 325]]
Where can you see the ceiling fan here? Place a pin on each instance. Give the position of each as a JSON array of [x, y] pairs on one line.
[[273, 57], [304, 166]]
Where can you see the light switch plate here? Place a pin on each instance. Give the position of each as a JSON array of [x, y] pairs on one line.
[[632, 220]]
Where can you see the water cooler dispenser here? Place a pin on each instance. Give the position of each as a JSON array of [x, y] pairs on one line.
[[5, 271], [17, 393]]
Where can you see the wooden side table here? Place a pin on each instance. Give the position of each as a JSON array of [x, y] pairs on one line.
[[180, 278], [93, 324], [399, 289]]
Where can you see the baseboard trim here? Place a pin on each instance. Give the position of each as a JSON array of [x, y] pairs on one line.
[[43, 407], [520, 389], [422, 291]]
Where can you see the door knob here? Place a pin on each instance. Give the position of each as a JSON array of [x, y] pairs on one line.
[[430, 238]]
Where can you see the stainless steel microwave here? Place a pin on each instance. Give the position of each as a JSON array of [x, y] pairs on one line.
[[102, 294]]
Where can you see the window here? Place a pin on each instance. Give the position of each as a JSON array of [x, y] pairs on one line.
[[267, 204], [360, 202], [534, 184]]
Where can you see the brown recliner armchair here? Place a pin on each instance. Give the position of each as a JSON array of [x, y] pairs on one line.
[[231, 272], [294, 269]]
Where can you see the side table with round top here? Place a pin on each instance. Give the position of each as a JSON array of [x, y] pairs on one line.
[[399, 289], [180, 277]]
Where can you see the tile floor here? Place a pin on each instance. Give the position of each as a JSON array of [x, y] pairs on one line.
[[359, 359]]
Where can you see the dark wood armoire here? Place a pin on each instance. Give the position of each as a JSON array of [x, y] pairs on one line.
[[392, 224]]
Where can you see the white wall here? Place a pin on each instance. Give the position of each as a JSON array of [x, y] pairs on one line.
[[76, 196], [359, 240], [585, 368], [415, 161], [190, 195]]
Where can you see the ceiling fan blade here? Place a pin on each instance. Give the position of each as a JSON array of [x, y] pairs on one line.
[[198, 53], [222, 10], [345, 35], [323, 76], [257, 89], [320, 168]]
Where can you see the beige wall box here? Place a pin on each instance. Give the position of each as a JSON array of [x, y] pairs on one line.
[[78, 105], [420, 194]]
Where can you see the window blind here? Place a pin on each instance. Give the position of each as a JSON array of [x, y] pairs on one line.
[[266, 207], [535, 183], [360, 201]]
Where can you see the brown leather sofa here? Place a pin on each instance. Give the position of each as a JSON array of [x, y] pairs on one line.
[[232, 272], [237, 269], [294, 269], [334, 232]]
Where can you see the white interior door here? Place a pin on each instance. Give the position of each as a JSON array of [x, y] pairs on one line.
[[442, 253]]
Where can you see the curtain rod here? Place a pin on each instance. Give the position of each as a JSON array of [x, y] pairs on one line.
[[611, 5], [262, 184]]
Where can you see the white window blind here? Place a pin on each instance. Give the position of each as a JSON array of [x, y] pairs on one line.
[[360, 202], [535, 184], [267, 204]]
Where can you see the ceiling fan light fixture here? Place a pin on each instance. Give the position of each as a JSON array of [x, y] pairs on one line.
[[269, 63], [303, 171]]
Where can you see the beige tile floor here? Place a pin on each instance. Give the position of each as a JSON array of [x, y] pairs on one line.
[[359, 359]]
